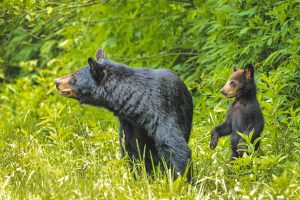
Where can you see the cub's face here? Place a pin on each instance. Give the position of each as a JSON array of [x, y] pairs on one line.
[[237, 81]]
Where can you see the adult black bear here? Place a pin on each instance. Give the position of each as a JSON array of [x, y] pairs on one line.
[[154, 108], [244, 114]]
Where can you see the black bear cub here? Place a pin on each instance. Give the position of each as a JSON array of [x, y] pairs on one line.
[[244, 114], [154, 108]]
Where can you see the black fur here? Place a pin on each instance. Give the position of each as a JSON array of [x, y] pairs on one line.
[[154, 109], [243, 115]]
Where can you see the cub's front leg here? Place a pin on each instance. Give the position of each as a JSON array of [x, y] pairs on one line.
[[214, 138], [220, 131]]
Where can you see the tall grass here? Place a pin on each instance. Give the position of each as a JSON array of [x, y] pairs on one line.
[[54, 148]]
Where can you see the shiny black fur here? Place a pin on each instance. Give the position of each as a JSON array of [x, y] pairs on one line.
[[154, 109]]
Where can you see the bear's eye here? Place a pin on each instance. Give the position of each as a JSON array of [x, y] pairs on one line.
[[233, 84]]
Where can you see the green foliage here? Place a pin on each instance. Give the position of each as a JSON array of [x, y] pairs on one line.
[[52, 147]]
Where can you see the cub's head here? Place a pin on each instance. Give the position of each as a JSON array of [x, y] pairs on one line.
[[83, 83], [241, 82]]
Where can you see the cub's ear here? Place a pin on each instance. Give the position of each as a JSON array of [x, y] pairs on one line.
[[249, 71], [96, 69], [235, 69], [100, 54]]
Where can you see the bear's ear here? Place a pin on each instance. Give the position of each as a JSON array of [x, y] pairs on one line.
[[235, 69], [96, 69], [249, 71], [100, 54], [92, 63]]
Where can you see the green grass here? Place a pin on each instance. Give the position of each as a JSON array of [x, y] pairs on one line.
[[54, 148]]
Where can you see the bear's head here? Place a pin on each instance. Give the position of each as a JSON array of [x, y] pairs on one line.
[[240, 83], [84, 83]]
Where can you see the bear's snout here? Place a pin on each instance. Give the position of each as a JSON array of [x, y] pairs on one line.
[[64, 86]]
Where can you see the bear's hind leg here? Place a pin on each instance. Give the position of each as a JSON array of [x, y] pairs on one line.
[[173, 149], [235, 138]]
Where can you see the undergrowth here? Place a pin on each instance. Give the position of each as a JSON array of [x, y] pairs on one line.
[[54, 148]]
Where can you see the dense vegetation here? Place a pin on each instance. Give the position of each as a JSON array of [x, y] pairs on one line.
[[52, 147]]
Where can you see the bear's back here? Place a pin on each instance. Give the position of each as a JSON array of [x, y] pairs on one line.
[[170, 95], [149, 95]]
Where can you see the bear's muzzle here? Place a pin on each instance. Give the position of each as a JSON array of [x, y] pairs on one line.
[[64, 86]]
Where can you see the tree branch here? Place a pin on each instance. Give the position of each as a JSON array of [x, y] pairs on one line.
[[159, 55]]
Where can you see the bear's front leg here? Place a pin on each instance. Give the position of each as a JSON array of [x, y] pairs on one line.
[[219, 131], [127, 140], [214, 139]]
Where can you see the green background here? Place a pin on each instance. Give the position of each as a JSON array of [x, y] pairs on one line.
[[54, 148]]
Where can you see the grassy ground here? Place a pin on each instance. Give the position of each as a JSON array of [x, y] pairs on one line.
[[54, 148]]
